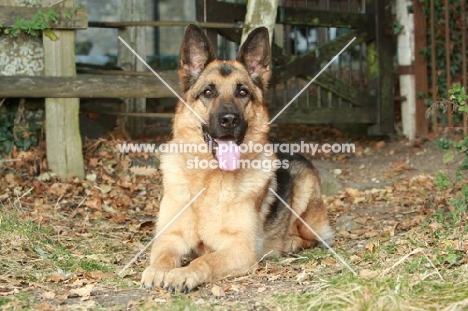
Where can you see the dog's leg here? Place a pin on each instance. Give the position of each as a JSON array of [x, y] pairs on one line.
[[301, 237], [309, 205], [236, 258], [169, 248]]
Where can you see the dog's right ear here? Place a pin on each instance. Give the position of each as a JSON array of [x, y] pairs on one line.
[[196, 52]]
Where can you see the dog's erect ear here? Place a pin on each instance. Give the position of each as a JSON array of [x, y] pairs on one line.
[[196, 52], [256, 56]]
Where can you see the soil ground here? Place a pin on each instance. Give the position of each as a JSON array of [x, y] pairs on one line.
[[382, 190]]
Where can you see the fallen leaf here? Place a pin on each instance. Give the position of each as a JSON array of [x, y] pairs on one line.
[[218, 291], [91, 177], [368, 274], [48, 295], [43, 307], [144, 170], [329, 262], [83, 292], [435, 226], [380, 144]]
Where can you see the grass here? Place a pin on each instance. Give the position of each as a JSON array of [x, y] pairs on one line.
[[31, 252], [423, 269], [419, 270]]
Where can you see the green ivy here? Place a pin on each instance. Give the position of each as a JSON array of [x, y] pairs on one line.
[[23, 135], [33, 27], [456, 52]]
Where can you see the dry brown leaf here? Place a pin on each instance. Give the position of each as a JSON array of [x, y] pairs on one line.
[[94, 203], [144, 170], [351, 192], [48, 295], [368, 274], [355, 258], [56, 278], [58, 189], [416, 220], [380, 144], [435, 226], [370, 246], [329, 262], [83, 292], [370, 234], [10, 291], [44, 307], [218, 291]]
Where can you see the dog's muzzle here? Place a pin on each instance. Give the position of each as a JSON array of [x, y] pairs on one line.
[[226, 151]]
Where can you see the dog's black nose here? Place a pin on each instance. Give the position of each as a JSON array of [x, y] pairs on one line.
[[229, 120]]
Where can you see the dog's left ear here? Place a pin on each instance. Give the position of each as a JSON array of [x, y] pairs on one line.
[[195, 53], [256, 56]]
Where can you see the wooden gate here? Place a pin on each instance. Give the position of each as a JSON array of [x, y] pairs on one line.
[[356, 88]]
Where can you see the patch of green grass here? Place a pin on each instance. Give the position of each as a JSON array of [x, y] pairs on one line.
[[4, 301], [381, 293], [22, 242], [176, 302], [21, 301]]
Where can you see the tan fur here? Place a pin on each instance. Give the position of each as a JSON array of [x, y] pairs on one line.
[[225, 227]]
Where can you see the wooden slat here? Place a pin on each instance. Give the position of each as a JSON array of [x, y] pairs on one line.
[[309, 62], [231, 12], [321, 18], [341, 89], [79, 19], [88, 86], [325, 114]]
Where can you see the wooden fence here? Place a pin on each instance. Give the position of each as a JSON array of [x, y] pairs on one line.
[[440, 43]]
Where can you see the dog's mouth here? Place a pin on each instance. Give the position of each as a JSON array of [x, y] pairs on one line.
[[225, 149]]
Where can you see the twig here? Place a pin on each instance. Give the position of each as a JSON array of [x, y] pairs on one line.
[[26, 193], [263, 257], [417, 250], [433, 266]]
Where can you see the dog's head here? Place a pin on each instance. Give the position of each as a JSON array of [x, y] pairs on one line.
[[228, 95]]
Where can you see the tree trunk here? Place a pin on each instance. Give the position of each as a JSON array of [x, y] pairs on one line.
[[260, 13]]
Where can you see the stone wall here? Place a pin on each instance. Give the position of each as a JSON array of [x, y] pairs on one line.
[[22, 56]]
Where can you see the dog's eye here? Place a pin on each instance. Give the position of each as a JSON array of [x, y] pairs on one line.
[[208, 93], [243, 93]]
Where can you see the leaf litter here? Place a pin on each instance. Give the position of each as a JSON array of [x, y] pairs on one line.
[[62, 241]]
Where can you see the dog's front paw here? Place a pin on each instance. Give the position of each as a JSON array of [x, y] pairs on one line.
[[181, 280], [153, 277]]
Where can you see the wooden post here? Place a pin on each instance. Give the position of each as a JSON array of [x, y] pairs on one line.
[[260, 13], [420, 68], [201, 15], [380, 66], [63, 140], [133, 10], [406, 58]]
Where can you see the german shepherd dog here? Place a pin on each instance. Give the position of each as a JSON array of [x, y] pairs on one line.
[[237, 219]]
